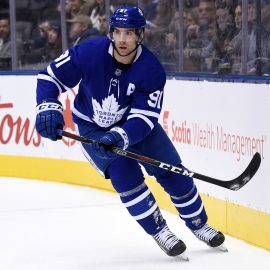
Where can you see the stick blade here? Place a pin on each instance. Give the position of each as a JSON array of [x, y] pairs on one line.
[[246, 176], [239, 181]]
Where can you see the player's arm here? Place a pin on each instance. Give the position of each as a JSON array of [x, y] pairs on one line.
[[146, 105], [61, 75], [144, 114]]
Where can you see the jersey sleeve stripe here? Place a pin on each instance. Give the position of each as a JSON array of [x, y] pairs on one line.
[[50, 79], [50, 72], [80, 115], [144, 112], [148, 122], [62, 62]]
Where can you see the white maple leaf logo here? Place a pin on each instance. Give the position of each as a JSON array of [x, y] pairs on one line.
[[108, 113]]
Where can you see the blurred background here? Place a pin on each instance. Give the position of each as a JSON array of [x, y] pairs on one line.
[[223, 37]]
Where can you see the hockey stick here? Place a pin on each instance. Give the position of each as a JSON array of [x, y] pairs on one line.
[[234, 184]]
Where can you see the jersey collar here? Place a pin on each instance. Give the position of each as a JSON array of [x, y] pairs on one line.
[[139, 51]]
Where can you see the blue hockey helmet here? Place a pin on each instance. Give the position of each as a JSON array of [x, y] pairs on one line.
[[128, 17]]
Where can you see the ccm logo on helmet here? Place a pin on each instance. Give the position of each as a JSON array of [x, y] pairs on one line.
[[121, 19]]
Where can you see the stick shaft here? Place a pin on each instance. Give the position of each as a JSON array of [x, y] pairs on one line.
[[234, 184]]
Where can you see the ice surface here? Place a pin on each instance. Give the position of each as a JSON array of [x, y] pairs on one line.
[[53, 226]]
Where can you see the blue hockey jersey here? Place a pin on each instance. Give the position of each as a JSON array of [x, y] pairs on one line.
[[110, 94]]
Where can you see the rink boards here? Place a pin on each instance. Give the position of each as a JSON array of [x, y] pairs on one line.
[[216, 127]]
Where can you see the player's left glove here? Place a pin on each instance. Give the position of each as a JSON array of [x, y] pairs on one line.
[[49, 118], [116, 137]]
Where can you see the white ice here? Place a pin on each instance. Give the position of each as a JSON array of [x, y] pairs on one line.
[[54, 226]]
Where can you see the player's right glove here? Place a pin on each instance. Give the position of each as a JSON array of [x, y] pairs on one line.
[[116, 137], [49, 118]]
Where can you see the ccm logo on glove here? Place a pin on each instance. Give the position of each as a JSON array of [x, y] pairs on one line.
[[49, 119], [49, 106]]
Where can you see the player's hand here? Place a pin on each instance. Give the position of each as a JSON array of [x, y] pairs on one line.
[[103, 147], [49, 118]]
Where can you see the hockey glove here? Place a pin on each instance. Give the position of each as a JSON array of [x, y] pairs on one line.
[[49, 118], [116, 137]]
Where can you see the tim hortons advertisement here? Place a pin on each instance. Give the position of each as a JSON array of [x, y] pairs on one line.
[[18, 135], [16, 128]]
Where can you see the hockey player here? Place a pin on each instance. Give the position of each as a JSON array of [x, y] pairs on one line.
[[118, 104]]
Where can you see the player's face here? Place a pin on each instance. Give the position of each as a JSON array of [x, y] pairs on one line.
[[125, 40]]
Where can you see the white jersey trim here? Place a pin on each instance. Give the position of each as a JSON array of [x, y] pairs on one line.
[[62, 62], [144, 118], [87, 156], [139, 51], [50, 72], [50, 79], [80, 115], [144, 112], [110, 51]]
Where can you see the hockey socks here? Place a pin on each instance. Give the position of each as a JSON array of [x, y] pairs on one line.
[[191, 209], [142, 205]]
